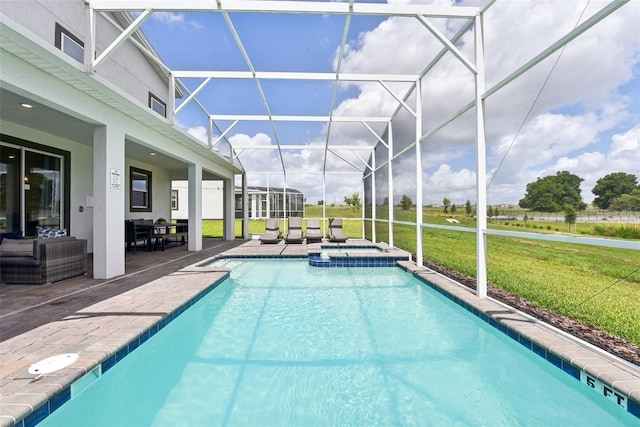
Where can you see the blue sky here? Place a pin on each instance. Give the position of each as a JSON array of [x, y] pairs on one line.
[[579, 110]]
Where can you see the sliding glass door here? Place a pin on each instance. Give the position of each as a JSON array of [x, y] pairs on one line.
[[31, 190]]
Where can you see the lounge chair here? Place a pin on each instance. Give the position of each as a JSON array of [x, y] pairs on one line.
[[295, 230], [335, 231], [272, 232], [314, 235]]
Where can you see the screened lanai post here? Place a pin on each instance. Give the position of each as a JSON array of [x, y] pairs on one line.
[[418, 117], [229, 213], [171, 105], [374, 196], [195, 207], [363, 189], [481, 159], [390, 180], [245, 208], [90, 40], [324, 201]]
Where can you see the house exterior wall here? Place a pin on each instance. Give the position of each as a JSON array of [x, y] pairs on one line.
[[212, 200], [126, 67], [97, 120]]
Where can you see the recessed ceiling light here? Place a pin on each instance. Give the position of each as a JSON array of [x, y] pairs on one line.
[[25, 105], [152, 153]]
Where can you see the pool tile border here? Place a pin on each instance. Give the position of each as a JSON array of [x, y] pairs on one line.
[[590, 368], [58, 399]]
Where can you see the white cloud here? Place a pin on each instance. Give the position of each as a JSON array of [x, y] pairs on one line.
[[200, 132], [174, 18]]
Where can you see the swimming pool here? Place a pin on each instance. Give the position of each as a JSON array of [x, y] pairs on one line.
[[283, 343]]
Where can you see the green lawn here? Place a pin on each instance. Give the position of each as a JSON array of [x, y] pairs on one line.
[[597, 286]]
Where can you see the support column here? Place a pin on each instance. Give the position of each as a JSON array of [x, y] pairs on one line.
[[229, 222], [481, 169], [109, 195], [195, 207], [245, 208], [374, 196], [390, 182], [418, 172]]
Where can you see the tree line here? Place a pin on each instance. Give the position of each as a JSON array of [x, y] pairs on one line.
[[617, 191]]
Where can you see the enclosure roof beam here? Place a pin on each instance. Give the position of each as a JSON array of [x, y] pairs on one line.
[[304, 147], [297, 7], [286, 75], [265, 118]]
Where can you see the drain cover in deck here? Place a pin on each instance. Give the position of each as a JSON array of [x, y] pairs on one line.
[[52, 364]]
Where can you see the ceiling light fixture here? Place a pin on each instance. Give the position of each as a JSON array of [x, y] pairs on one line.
[[25, 105], [152, 153]]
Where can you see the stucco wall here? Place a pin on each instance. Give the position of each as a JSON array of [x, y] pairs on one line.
[[212, 200], [126, 67]]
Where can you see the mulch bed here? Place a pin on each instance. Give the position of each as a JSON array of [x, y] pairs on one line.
[[612, 344]]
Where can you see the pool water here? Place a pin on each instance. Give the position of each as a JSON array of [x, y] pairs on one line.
[[282, 343]]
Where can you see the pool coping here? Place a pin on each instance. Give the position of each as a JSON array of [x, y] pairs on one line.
[[611, 377], [102, 335], [107, 342]]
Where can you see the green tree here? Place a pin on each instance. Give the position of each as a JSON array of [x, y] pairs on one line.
[[552, 193], [570, 216], [446, 202], [353, 201], [406, 202], [467, 208], [453, 208], [489, 211], [612, 186], [626, 202], [320, 202], [385, 202]]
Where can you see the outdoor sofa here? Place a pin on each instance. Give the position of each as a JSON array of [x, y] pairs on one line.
[[42, 261]]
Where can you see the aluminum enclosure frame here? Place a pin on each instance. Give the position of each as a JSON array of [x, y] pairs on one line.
[[472, 20]]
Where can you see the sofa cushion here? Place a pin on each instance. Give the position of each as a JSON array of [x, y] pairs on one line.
[[16, 248], [18, 261]]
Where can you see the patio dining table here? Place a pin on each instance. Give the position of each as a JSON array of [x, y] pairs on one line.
[[156, 231]]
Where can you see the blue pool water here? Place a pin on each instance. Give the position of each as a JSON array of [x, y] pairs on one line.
[[282, 343]]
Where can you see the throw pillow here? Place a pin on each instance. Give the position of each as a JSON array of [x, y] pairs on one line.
[[10, 235], [43, 232]]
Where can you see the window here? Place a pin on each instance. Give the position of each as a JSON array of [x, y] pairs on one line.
[[69, 44], [157, 105], [174, 200], [140, 190]]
